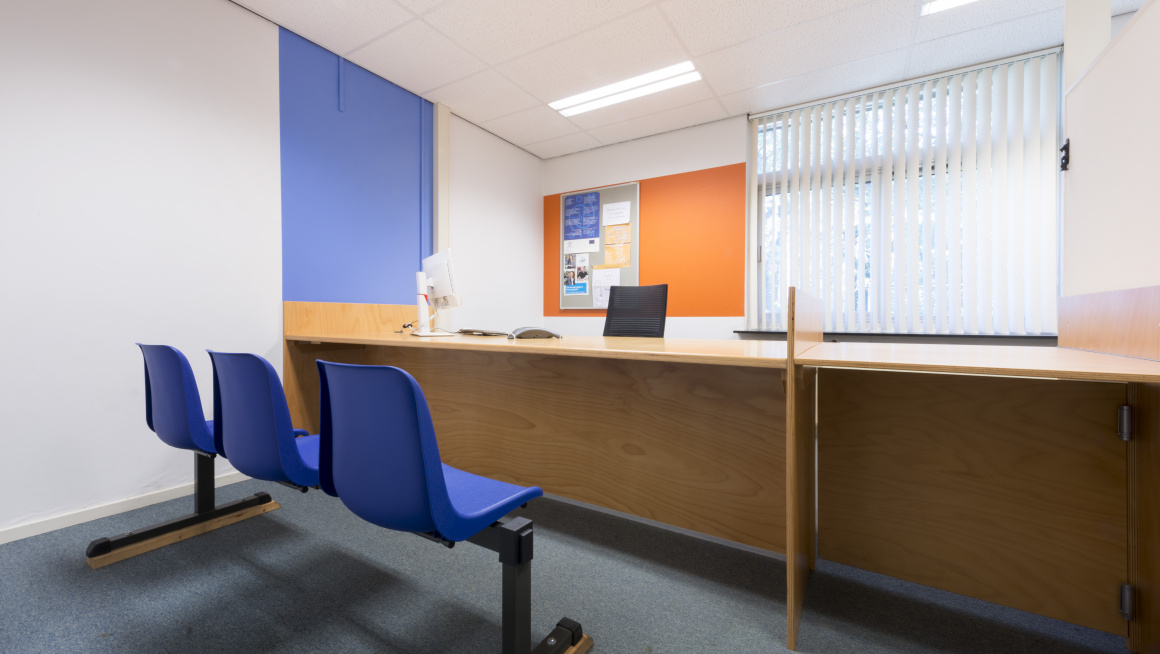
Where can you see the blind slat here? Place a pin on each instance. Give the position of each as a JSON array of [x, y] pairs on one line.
[[929, 207], [955, 206], [939, 217]]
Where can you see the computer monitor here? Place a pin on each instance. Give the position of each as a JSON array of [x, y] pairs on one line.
[[441, 280], [435, 288]]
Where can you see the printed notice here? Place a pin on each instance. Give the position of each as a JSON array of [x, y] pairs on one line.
[[582, 245], [617, 256], [582, 217], [617, 213], [618, 235], [602, 281]]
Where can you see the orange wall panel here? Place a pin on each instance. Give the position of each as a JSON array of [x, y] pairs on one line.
[[692, 237]]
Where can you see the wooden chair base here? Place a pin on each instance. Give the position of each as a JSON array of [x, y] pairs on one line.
[[151, 544], [581, 647]]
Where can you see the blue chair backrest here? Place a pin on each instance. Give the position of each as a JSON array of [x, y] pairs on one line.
[[378, 451], [253, 421], [172, 403]]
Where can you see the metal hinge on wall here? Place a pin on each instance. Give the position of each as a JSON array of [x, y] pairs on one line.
[[1128, 601], [1065, 160], [1124, 422]]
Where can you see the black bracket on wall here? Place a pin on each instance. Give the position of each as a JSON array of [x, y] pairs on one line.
[[1066, 158]]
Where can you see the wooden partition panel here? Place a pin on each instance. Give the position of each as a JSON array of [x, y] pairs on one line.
[[299, 372], [805, 331], [1144, 570], [1115, 322], [694, 446], [1009, 490]]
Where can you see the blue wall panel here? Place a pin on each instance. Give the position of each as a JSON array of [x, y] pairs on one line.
[[356, 180]]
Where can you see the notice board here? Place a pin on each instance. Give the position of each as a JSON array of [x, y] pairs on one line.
[[599, 244]]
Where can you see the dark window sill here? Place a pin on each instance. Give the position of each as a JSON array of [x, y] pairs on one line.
[[952, 339]]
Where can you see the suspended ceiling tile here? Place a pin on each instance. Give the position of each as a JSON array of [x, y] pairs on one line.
[[708, 26], [839, 80], [979, 14], [417, 58], [1043, 30], [564, 145], [863, 31], [633, 45], [418, 6], [337, 25], [706, 111], [482, 97], [649, 104], [498, 30], [531, 126]]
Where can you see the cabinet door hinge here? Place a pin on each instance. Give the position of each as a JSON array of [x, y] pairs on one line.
[[1124, 423], [1128, 601]]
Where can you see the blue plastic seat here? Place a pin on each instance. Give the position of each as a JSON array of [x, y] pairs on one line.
[[172, 403], [173, 412], [253, 422], [380, 457]]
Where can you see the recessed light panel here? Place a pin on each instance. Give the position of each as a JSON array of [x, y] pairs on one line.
[[665, 78], [935, 6]]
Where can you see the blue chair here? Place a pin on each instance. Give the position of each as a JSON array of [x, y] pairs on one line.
[[253, 427], [378, 454], [173, 412]]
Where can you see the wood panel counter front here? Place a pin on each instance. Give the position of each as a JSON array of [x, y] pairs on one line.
[[685, 432]]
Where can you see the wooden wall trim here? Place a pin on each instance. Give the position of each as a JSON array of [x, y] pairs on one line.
[[805, 331], [1114, 322], [335, 318]]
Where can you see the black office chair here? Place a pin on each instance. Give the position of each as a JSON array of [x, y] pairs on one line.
[[637, 311]]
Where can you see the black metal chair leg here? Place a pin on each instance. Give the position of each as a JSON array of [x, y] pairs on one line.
[[203, 507], [513, 539]]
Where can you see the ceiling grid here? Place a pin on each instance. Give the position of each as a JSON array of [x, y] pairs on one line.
[[499, 63]]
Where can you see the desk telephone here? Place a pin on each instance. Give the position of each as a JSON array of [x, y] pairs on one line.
[[533, 332]]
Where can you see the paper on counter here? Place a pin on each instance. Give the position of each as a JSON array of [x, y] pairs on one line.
[[602, 281], [617, 213]]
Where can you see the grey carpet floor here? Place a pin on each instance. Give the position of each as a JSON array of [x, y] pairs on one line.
[[312, 577]]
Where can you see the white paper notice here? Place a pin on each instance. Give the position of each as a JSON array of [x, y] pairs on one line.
[[602, 280], [582, 245], [617, 213]]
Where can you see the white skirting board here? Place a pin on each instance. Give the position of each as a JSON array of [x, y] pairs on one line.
[[112, 508]]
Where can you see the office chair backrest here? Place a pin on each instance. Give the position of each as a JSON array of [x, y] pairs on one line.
[[252, 420], [378, 451], [637, 311], [172, 403]]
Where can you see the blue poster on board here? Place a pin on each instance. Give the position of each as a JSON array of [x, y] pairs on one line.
[[582, 216]]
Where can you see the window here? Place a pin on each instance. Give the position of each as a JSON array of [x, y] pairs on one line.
[[930, 207]]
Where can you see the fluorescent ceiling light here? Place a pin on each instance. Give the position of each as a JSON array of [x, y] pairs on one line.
[[640, 80], [634, 93], [935, 6]]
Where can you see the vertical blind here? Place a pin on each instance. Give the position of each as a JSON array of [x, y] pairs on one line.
[[926, 208]]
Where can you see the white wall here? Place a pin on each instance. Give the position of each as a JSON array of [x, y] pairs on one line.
[[1111, 227], [711, 145], [1087, 29], [497, 231], [1119, 22], [721, 143], [140, 201]]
